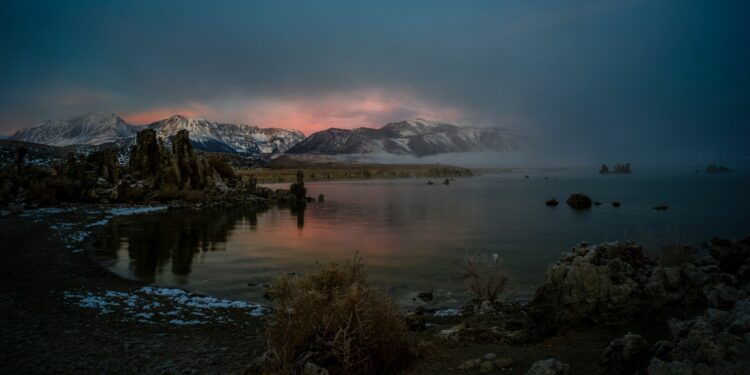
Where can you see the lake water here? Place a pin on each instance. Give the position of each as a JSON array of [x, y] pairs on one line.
[[413, 236]]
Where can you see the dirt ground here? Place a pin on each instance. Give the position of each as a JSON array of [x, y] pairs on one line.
[[43, 332]]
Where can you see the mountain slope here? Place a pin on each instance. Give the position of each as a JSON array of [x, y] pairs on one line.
[[415, 137], [212, 136], [90, 129]]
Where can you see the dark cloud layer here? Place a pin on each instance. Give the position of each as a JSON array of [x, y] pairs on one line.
[[653, 80]]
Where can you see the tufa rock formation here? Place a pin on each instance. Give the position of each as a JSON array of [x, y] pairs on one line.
[[619, 169], [297, 191], [146, 156], [713, 168], [615, 282]]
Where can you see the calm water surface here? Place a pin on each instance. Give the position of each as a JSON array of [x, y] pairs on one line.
[[413, 236]]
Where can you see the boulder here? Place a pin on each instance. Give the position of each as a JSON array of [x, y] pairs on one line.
[[549, 367], [714, 343], [602, 283], [579, 201], [552, 202], [626, 355]]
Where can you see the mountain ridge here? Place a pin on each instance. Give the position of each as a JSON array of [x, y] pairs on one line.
[[418, 137], [95, 129]]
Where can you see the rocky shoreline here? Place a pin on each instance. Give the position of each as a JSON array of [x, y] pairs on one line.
[[686, 314]]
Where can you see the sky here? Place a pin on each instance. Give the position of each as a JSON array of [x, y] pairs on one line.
[[584, 79]]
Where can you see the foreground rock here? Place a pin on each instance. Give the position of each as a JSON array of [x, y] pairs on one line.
[[717, 342], [549, 367], [625, 356], [615, 282]]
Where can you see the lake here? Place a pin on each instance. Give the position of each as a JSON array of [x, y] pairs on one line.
[[413, 236]]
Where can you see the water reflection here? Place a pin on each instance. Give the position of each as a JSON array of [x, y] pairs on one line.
[[177, 240], [413, 236]]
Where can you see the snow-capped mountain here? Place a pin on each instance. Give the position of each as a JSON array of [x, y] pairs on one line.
[[90, 129], [96, 129], [417, 137], [212, 136]]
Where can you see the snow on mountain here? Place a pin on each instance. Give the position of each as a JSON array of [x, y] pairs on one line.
[[212, 136], [417, 137], [96, 129], [90, 129]]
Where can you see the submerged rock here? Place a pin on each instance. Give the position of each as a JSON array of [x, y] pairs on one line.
[[616, 204], [661, 207], [579, 201]]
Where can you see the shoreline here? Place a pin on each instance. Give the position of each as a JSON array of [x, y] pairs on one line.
[[64, 311]]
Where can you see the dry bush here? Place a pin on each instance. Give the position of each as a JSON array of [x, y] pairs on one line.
[[332, 318], [485, 276]]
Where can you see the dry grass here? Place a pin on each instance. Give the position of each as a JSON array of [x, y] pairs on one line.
[[485, 276], [332, 318]]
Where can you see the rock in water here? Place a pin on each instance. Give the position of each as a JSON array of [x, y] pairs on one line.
[[604, 169], [298, 191], [616, 204], [579, 201], [552, 202], [549, 367]]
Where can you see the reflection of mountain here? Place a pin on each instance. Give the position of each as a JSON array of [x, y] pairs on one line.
[[175, 238]]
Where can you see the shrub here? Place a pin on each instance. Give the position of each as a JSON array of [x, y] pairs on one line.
[[485, 276], [332, 318]]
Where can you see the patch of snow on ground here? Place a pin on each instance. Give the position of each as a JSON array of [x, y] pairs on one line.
[[181, 322], [150, 304], [448, 312], [126, 211], [182, 297], [98, 223]]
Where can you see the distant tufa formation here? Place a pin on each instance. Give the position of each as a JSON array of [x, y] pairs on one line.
[[619, 169], [713, 168], [156, 173]]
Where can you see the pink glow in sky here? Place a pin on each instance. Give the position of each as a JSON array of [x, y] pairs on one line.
[[348, 110]]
